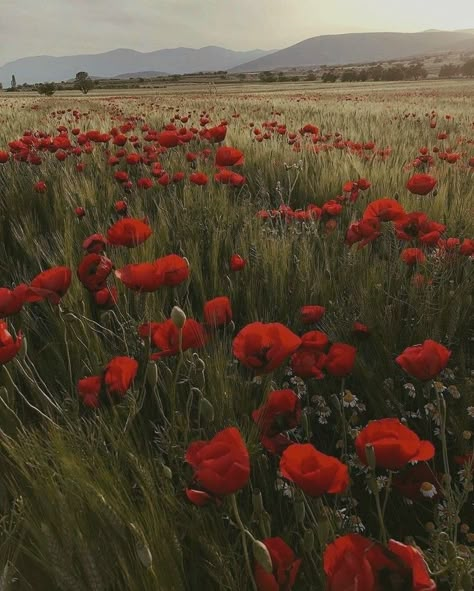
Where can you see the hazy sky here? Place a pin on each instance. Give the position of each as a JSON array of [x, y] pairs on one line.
[[62, 27]]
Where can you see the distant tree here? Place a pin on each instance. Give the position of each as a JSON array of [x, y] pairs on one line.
[[349, 76], [242, 77], [1, 86], [281, 77], [310, 77], [13, 83], [393, 73], [330, 76], [267, 76], [375, 73], [449, 71], [468, 68], [48, 88], [416, 71], [83, 82], [362, 76]]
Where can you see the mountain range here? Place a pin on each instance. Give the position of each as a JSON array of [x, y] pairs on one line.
[[316, 51], [181, 60]]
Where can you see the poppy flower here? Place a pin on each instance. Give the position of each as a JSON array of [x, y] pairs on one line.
[[417, 225], [121, 207], [221, 465], [119, 375], [281, 412], [199, 498], [237, 263], [227, 156], [363, 232], [12, 300], [412, 256], [314, 340], [51, 284], [144, 277], [89, 391], [467, 247], [40, 187], [145, 183], [218, 312], [307, 363], [165, 337], [425, 361], [311, 314], [353, 562], [198, 178], [264, 347], [128, 232], [168, 139], [360, 329], [95, 243], [421, 184], [80, 212], [216, 134], [394, 444], [9, 346], [106, 297], [285, 567], [4, 157], [417, 483], [227, 177], [314, 472], [175, 269], [340, 359], [121, 176], [93, 271], [386, 210]]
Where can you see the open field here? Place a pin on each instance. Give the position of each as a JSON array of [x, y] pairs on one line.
[[101, 486]]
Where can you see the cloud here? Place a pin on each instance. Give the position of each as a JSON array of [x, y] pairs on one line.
[[62, 27]]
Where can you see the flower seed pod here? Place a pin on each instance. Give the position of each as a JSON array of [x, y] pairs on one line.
[[152, 374], [370, 455], [144, 554], [300, 510], [262, 556], [308, 540], [206, 409], [178, 317], [257, 502]]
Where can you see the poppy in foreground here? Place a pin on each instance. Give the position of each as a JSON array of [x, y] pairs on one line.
[[9, 346], [424, 361], [285, 567]]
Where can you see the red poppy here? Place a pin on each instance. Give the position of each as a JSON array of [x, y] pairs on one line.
[[51, 284], [89, 391], [228, 177], [237, 263], [314, 472], [168, 139], [394, 444], [285, 567], [307, 363], [264, 347], [93, 271], [198, 178], [145, 277], [9, 346], [363, 232], [314, 340], [121, 207], [215, 134], [340, 359], [165, 337], [417, 483], [221, 465], [40, 187], [353, 562], [467, 247], [421, 184], [386, 210], [360, 329], [199, 498], [12, 300], [145, 183], [119, 375], [4, 157], [281, 412], [218, 312], [227, 156], [311, 314], [128, 232], [95, 243], [425, 361], [417, 225], [175, 269], [106, 298], [412, 256]]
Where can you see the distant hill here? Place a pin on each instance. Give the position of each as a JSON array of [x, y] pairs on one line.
[[359, 48], [148, 74], [181, 60]]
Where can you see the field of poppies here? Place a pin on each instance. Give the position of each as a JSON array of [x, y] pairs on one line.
[[237, 340]]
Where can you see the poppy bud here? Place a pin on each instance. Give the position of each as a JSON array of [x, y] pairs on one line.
[[306, 425], [167, 472], [152, 374], [206, 409], [451, 551], [308, 540], [178, 317], [262, 556], [370, 455], [300, 509], [144, 554], [257, 501]]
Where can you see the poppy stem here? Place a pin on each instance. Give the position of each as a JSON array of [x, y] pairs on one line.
[[243, 537], [343, 418]]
